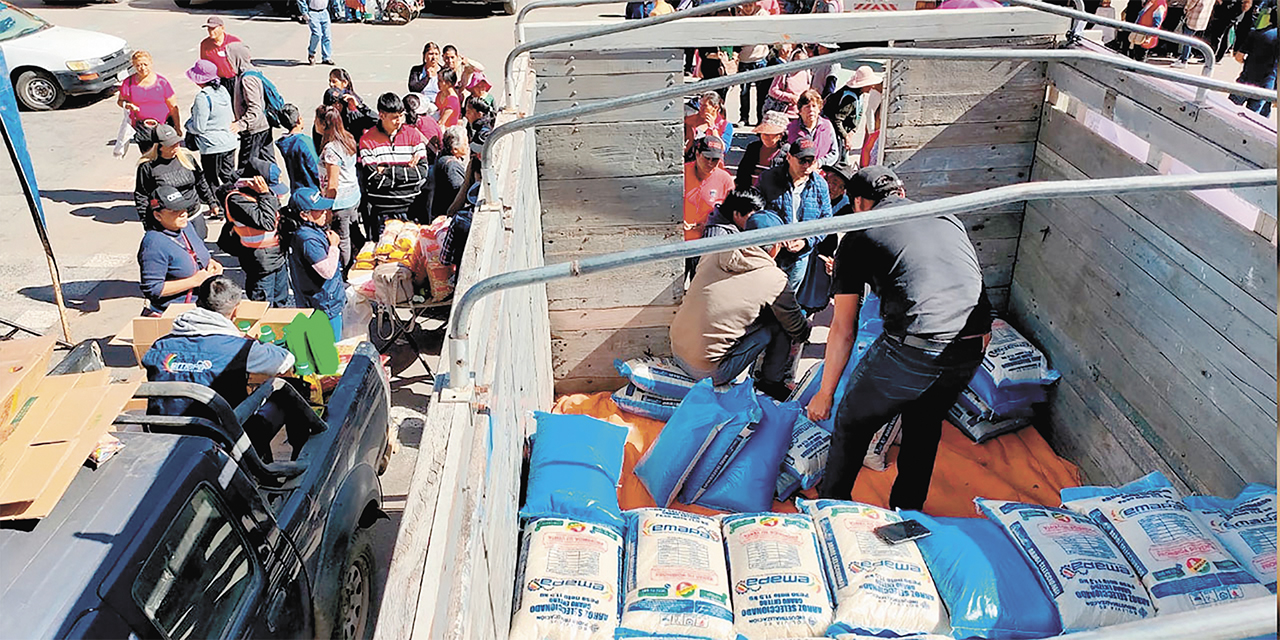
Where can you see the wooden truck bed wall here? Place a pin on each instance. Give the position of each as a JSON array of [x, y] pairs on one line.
[[1159, 309]]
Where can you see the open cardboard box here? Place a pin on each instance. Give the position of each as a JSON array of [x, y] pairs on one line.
[[55, 430], [276, 319], [147, 330], [23, 362]]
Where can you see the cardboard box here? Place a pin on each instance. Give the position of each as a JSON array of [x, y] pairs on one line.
[[56, 432], [276, 319], [23, 362], [147, 330]]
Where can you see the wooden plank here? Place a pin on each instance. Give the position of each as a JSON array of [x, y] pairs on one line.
[[652, 283], [1187, 146], [612, 202], [1218, 123], [997, 256], [961, 135], [1239, 254], [998, 274], [934, 109], [1081, 352], [929, 185], [569, 242], [460, 547], [650, 112], [965, 76], [988, 42], [1079, 435], [941, 159], [576, 87], [1217, 373], [1004, 221], [1067, 286], [610, 150], [405, 576], [1247, 323], [547, 64], [877, 26], [597, 319], [590, 354], [999, 297]]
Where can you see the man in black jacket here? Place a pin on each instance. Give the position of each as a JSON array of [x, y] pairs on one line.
[[937, 321], [253, 210]]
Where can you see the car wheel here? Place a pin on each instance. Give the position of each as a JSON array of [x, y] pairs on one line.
[[353, 619], [182, 4], [38, 91]]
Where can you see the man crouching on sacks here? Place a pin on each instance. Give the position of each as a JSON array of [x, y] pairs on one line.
[[737, 307], [937, 323]]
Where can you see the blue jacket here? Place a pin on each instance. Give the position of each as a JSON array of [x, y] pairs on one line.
[[815, 203], [310, 245], [210, 121], [206, 348], [300, 161], [163, 256]]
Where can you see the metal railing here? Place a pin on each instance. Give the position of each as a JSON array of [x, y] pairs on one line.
[[548, 4], [609, 29], [890, 53], [1080, 14], [463, 306]]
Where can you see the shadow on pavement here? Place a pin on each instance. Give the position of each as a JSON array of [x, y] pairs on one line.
[[84, 295], [84, 196]]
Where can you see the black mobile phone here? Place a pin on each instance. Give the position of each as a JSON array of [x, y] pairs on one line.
[[900, 532]]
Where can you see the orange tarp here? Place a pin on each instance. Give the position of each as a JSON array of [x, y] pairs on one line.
[[1016, 466]]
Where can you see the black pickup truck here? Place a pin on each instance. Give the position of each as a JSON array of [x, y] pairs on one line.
[[193, 531]]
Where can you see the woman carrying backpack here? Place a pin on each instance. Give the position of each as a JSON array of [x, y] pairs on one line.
[[210, 125]]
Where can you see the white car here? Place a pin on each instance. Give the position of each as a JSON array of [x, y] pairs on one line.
[[48, 63]]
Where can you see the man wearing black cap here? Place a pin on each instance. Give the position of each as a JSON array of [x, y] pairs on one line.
[[795, 191], [937, 321]]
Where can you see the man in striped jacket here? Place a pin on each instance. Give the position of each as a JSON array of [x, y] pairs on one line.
[[391, 158]]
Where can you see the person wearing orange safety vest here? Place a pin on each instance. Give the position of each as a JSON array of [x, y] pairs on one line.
[[253, 211]]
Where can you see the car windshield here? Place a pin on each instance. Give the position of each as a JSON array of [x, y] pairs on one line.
[[15, 23]]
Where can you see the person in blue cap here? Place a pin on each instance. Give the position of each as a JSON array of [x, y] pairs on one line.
[[313, 257]]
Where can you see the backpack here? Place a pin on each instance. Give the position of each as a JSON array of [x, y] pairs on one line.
[[274, 108]]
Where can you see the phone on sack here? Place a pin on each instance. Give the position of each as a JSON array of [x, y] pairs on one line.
[[900, 532]]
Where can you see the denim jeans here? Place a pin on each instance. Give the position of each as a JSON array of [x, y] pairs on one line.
[[318, 22], [795, 271], [1185, 54], [1261, 107], [744, 92], [893, 379], [273, 286], [765, 336]]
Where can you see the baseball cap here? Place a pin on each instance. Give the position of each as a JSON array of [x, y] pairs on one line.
[[842, 169], [165, 135], [172, 199], [803, 147], [309, 199], [213, 21], [873, 182], [710, 147], [762, 220]]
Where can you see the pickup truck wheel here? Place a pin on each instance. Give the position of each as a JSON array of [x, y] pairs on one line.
[[39, 91], [354, 617]]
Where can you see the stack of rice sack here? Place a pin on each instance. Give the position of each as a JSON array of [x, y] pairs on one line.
[[395, 245], [428, 260], [1014, 376]]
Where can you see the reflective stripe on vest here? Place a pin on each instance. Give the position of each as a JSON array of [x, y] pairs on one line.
[[250, 237]]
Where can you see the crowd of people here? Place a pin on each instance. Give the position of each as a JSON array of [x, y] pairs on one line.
[[297, 207]]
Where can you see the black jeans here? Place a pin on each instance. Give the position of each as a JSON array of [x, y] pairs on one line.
[[893, 379], [218, 168], [744, 92]]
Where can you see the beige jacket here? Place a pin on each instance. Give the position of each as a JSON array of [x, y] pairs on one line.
[[728, 293]]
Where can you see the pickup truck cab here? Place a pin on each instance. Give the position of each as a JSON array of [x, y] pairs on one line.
[[47, 63], [190, 532]]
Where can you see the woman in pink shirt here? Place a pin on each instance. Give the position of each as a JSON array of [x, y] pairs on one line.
[[150, 100], [786, 89]]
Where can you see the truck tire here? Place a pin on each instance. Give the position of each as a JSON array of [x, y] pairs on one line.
[[353, 617], [38, 90], [182, 4]]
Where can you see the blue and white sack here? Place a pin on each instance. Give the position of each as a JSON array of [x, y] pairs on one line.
[[1246, 526], [779, 584], [659, 376], [633, 399], [1182, 564], [1014, 374], [567, 580], [677, 582]]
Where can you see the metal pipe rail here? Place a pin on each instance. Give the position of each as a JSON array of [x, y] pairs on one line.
[[464, 305], [1198, 44], [609, 29], [892, 53], [547, 4]]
